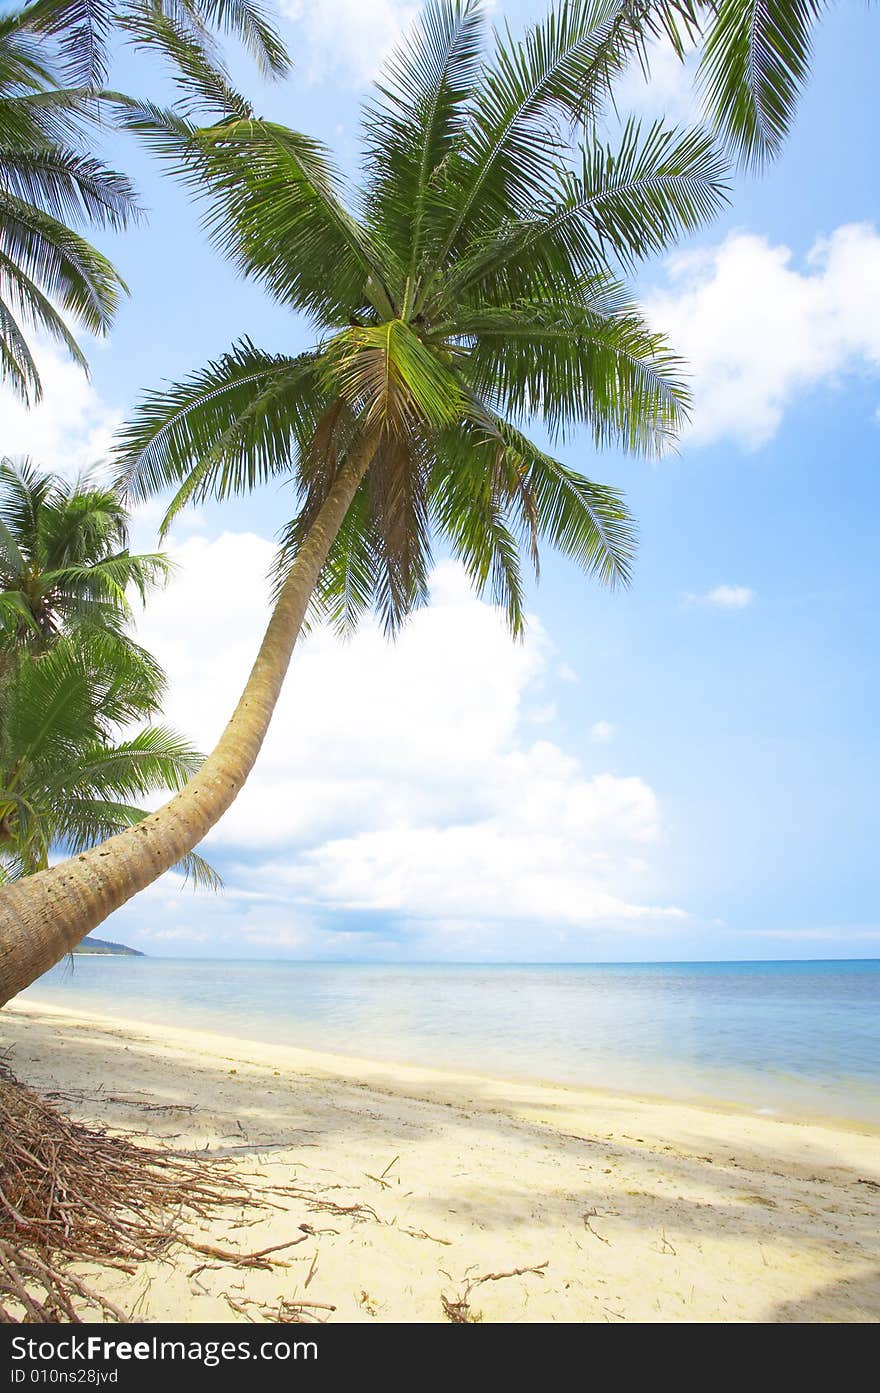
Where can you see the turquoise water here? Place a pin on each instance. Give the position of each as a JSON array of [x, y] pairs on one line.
[[790, 1038]]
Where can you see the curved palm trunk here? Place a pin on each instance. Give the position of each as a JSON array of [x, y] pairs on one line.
[[45, 915]]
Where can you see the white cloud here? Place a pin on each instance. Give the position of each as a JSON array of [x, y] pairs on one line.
[[399, 779], [603, 732], [70, 429], [757, 331], [546, 848], [729, 596], [348, 36]]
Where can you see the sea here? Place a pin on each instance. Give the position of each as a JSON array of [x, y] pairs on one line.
[[793, 1039]]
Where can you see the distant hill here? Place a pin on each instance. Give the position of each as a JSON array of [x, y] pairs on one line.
[[104, 948]]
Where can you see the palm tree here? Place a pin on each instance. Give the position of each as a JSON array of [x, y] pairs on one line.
[[464, 290], [71, 676], [66, 777], [65, 562]]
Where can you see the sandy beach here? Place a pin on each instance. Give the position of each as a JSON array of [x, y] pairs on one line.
[[626, 1209]]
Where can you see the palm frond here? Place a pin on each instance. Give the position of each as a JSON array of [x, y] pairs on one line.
[[15, 612], [276, 210], [36, 309], [413, 124], [63, 264], [397, 486], [754, 64], [466, 508], [17, 366], [82, 28], [231, 425], [154, 758], [199, 71], [525, 102], [69, 186], [586, 521], [590, 362], [250, 23], [108, 579], [626, 203]]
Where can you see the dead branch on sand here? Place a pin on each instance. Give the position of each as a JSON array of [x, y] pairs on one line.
[[458, 1309], [71, 1193]]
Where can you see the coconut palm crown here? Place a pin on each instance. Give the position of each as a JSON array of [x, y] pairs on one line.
[[65, 563], [470, 285]]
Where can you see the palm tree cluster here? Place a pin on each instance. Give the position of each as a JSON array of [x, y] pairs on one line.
[[71, 677], [65, 563]]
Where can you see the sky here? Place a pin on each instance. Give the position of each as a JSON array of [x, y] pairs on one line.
[[687, 769]]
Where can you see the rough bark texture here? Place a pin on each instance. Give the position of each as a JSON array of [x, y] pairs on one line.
[[44, 916]]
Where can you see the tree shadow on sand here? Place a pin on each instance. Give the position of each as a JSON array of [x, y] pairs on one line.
[[851, 1299]]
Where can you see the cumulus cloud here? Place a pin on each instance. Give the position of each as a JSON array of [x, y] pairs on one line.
[[71, 428], [351, 37], [400, 781], [758, 331], [546, 848]]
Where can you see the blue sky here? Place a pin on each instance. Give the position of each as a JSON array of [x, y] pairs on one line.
[[685, 770]]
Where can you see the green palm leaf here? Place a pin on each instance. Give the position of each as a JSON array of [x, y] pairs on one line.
[[276, 211], [590, 362], [415, 122], [84, 29], [755, 62], [232, 425]]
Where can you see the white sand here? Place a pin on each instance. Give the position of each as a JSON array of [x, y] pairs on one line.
[[642, 1210]]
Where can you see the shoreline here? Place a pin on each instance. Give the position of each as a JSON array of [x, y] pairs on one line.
[[336, 1063], [645, 1209]]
